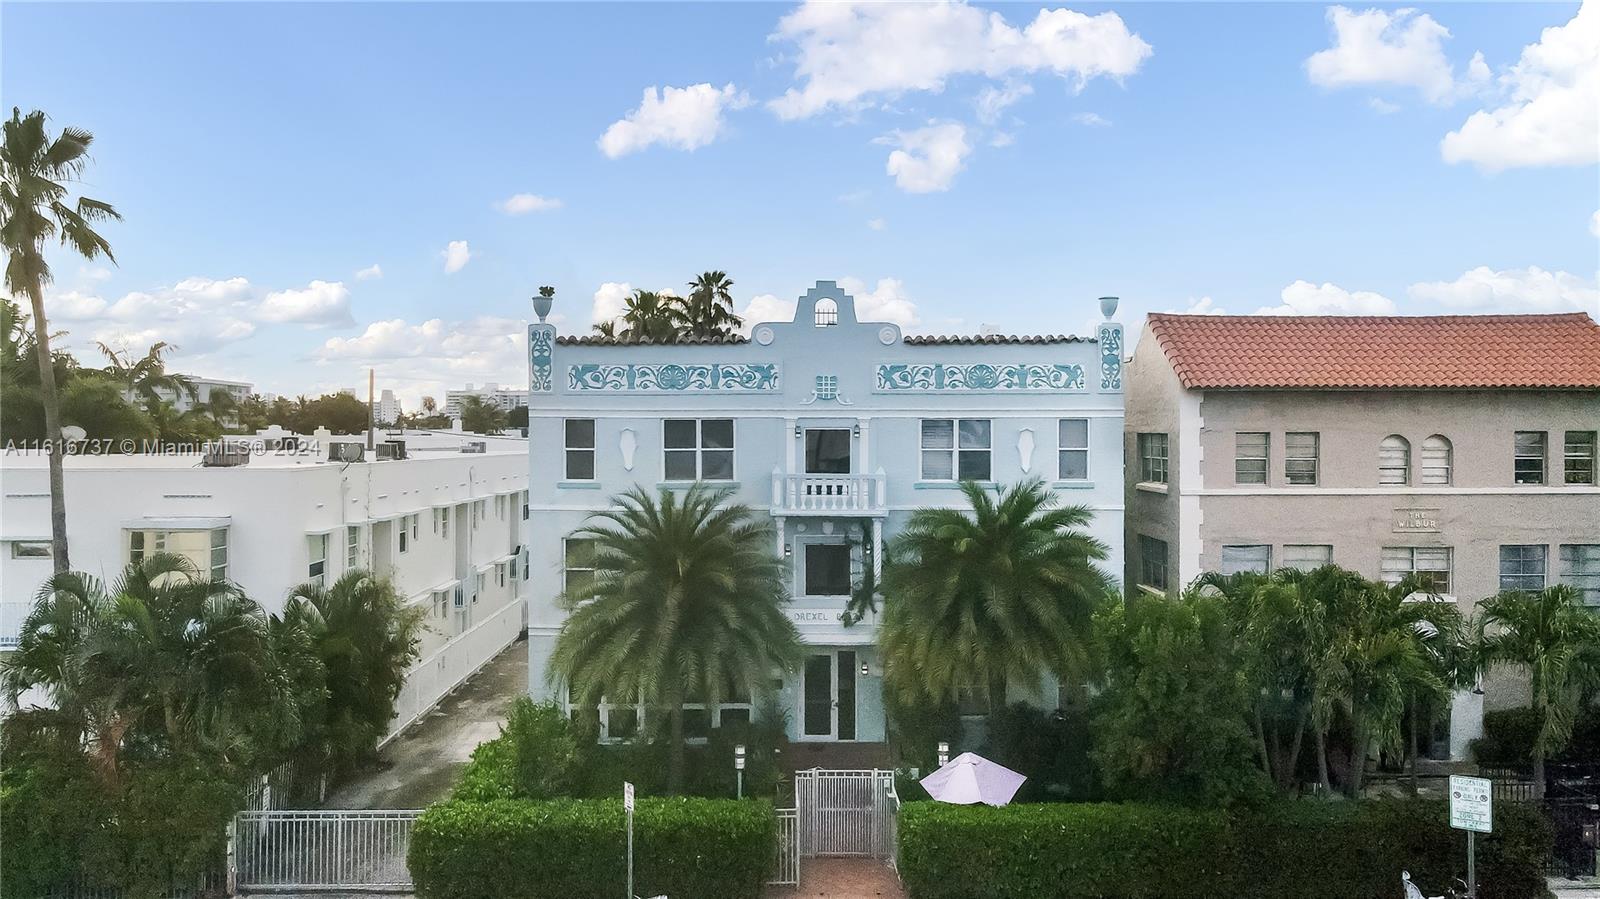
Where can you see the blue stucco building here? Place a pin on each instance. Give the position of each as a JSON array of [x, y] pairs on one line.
[[837, 427]]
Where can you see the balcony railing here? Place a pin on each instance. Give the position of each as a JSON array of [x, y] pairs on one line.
[[828, 494]]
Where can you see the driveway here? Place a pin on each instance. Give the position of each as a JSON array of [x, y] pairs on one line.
[[422, 764]]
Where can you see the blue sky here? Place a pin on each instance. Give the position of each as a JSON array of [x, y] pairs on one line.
[[961, 166]]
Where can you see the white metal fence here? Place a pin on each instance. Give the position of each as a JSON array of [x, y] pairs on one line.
[[787, 872], [322, 850], [435, 676], [846, 812]]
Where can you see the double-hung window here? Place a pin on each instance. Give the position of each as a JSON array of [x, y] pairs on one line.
[[1153, 563], [698, 449], [1152, 458], [1527, 464], [352, 547], [1301, 458], [580, 449], [1255, 558], [1394, 461], [317, 555], [578, 567], [1431, 565], [206, 549], [1307, 556], [1523, 567], [1580, 568], [1072, 442], [1250, 457], [1578, 456], [957, 449]]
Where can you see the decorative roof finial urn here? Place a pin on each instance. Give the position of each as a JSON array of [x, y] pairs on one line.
[[543, 302], [1108, 306]]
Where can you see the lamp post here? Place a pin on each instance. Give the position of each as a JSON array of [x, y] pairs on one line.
[[944, 753], [738, 768]]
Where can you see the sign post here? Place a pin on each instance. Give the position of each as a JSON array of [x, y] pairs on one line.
[[627, 806], [1471, 810]]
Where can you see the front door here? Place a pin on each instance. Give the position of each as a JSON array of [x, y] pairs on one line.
[[828, 696]]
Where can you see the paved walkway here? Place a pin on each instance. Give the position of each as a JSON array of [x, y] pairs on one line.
[[842, 878], [422, 764]]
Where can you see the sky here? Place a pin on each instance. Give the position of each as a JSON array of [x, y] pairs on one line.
[[309, 190]]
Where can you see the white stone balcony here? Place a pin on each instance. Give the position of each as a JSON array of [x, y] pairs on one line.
[[829, 494]]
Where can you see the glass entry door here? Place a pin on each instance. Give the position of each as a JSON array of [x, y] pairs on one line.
[[828, 696]]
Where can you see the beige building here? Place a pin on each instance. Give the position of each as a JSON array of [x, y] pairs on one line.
[[1460, 447]]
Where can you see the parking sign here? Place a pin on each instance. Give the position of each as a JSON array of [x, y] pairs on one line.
[[627, 796], [1470, 804]]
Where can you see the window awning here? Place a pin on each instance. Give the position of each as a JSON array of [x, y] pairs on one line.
[[177, 523]]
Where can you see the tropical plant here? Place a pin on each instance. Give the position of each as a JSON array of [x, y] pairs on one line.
[[686, 601], [481, 417], [606, 329], [366, 638], [146, 377], [708, 310], [650, 316], [34, 172], [996, 593], [1556, 640]]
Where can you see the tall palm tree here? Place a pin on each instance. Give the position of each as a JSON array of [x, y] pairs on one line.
[[34, 172], [606, 329], [1556, 640], [708, 310], [650, 316], [686, 601], [366, 638], [999, 592], [146, 378]]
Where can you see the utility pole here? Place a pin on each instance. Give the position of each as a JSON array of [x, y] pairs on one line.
[[372, 405]]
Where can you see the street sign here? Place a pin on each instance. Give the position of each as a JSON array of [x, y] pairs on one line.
[[627, 807], [627, 796], [1470, 804]]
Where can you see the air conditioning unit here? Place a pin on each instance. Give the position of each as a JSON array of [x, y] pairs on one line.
[[475, 446], [227, 455], [346, 452], [391, 449]]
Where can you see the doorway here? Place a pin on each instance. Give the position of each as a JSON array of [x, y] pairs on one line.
[[828, 696], [827, 451]]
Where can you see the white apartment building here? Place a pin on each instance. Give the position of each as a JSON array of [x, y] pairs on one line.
[[504, 398], [445, 523], [386, 409], [183, 401]]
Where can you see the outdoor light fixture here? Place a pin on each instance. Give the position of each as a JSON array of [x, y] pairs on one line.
[[788, 550], [797, 431], [738, 767], [865, 670], [856, 431]]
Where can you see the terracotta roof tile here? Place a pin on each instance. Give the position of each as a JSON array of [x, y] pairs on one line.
[[600, 340], [941, 340], [1355, 352]]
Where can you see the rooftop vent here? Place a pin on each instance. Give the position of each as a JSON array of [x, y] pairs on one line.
[[475, 446], [227, 455]]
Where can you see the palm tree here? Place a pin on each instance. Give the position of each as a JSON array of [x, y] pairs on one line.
[[1556, 640], [606, 329], [708, 311], [34, 208], [650, 316], [366, 638], [686, 601], [1000, 592], [146, 378]]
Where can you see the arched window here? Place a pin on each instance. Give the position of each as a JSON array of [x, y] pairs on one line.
[[1436, 461], [827, 313], [1394, 460]]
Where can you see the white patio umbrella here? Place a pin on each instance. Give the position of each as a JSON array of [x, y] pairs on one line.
[[970, 778]]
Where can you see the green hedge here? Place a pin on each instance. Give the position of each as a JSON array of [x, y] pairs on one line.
[[1308, 850], [577, 848]]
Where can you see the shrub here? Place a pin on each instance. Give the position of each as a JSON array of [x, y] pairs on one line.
[[1309, 850], [1508, 737], [574, 849], [1051, 747]]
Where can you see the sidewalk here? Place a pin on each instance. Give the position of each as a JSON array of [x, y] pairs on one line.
[[841, 878]]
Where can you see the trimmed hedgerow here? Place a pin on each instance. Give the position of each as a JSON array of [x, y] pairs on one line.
[[577, 848], [1309, 850]]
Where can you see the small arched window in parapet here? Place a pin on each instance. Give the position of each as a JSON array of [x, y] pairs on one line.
[[827, 313], [1394, 460], [1436, 461]]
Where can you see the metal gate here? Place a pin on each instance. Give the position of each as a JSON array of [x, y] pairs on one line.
[[846, 812], [317, 851]]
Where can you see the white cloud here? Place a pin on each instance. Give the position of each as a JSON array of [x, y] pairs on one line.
[[877, 224], [1305, 298], [370, 273], [928, 158], [1091, 119], [1552, 112], [1382, 106], [887, 302], [766, 307], [1201, 306], [610, 301], [1594, 223], [98, 273], [522, 204], [850, 53], [992, 101], [1529, 289], [456, 256], [1403, 48], [1002, 139], [209, 289], [74, 305], [319, 303], [683, 117], [429, 357]]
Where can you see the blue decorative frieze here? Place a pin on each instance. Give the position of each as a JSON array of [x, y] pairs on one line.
[[541, 340], [1110, 356], [980, 376], [732, 377]]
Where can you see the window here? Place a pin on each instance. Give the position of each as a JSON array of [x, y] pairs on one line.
[[827, 451], [1072, 454], [219, 554], [1152, 458], [1436, 461], [1307, 556], [578, 566], [1579, 457], [826, 313], [442, 518], [441, 603], [524, 505], [1394, 461], [479, 584], [30, 549], [698, 449], [1431, 564], [1527, 465], [352, 547], [956, 449], [1580, 568], [404, 533], [580, 449], [206, 550], [317, 552], [1236, 559], [1153, 563], [827, 569], [1300, 457], [1250, 457], [827, 387], [1523, 567], [500, 574]]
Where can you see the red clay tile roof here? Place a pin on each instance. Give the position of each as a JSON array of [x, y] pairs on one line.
[[956, 339], [1355, 352]]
